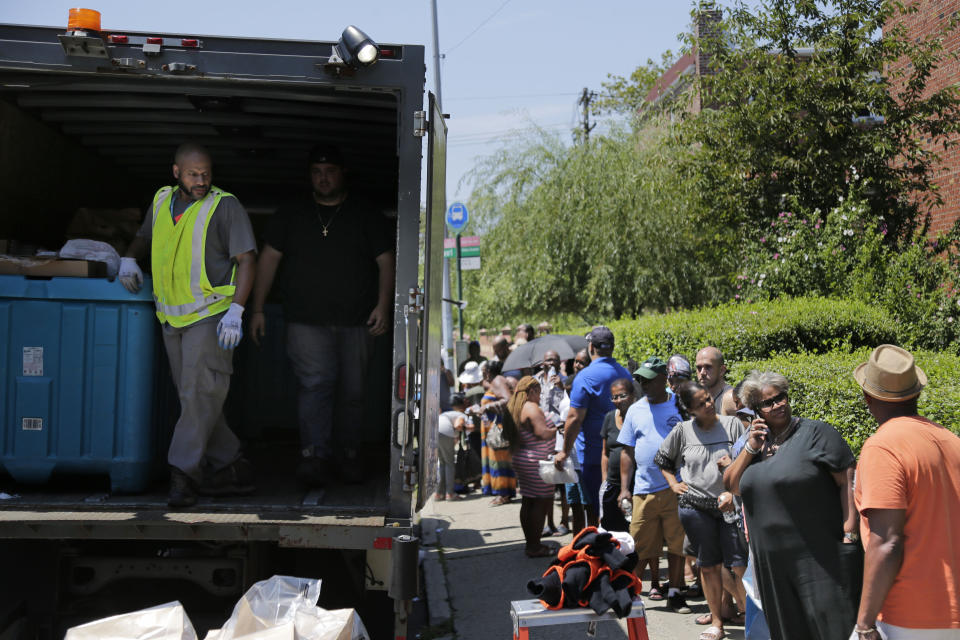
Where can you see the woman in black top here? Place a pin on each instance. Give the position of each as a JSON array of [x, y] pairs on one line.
[[611, 517], [795, 478]]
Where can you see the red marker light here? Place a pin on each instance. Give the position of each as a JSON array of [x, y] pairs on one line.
[[387, 53], [401, 389], [154, 40], [189, 42], [383, 543], [118, 39]]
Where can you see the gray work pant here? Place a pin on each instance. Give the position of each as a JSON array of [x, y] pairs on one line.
[[201, 372], [331, 366]]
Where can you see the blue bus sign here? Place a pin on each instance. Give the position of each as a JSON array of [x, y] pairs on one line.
[[457, 217]]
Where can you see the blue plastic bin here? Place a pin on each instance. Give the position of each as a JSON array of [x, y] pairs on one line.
[[77, 380]]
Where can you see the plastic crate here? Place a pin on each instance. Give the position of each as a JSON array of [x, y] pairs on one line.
[[77, 380]]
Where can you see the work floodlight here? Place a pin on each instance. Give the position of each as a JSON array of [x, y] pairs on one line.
[[356, 49]]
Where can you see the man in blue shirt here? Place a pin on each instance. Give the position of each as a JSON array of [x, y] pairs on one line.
[[589, 403], [655, 515]]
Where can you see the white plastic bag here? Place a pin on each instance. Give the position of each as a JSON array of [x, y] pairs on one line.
[[164, 622], [93, 250], [551, 475], [285, 608]]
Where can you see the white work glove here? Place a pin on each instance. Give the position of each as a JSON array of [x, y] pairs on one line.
[[230, 329], [130, 275]]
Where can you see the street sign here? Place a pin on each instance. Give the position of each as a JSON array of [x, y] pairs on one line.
[[465, 241], [468, 264], [457, 216], [465, 252]]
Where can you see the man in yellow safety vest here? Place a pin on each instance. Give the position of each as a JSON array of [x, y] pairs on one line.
[[203, 260]]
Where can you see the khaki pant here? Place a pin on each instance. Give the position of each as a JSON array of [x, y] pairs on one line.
[[201, 372], [656, 519]]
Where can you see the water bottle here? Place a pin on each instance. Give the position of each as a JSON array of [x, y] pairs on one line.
[[626, 505]]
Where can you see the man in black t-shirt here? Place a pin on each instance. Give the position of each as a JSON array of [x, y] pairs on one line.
[[333, 256]]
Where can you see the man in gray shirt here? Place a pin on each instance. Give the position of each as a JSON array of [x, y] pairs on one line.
[[200, 306]]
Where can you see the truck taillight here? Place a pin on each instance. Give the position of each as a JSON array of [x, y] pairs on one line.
[[189, 42], [401, 382], [83, 20], [118, 39], [154, 40], [388, 53], [383, 543]]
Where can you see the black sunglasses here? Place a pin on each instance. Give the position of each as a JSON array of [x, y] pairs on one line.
[[769, 402], [620, 396]]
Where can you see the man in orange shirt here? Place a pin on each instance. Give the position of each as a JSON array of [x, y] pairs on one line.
[[908, 494]]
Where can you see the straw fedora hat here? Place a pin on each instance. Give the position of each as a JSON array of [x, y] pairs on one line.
[[890, 374]]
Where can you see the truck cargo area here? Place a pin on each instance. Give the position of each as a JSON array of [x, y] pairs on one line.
[[100, 135]]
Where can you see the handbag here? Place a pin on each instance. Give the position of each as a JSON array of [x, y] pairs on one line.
[[551, 475], [467, 467], [496, 438]]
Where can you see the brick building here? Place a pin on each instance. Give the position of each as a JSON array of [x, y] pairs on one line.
[[933, 15]]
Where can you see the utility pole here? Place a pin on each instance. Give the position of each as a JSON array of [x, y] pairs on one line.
[[585, 99], [446, 346]]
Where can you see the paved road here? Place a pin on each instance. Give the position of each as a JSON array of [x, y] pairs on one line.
[[475, 566]]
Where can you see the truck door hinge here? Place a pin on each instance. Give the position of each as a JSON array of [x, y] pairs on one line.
[[415, 300], [419, 123]]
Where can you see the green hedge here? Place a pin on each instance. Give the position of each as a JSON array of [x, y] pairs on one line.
[[751, 331], [822, 388]]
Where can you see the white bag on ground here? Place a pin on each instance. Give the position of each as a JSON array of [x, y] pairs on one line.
[[285, 608], [164, 622]]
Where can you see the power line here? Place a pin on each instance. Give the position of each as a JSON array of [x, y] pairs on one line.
[[479, 26], [519, 95]]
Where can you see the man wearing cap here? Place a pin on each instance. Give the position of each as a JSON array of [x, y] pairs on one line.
[[589, 403], [332, 254], [908, 494], [655, 508], [710, 373]]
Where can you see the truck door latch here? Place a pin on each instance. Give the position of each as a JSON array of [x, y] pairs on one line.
[[419, 123]]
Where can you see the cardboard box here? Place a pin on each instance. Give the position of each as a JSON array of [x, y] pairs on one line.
[[52, 267]]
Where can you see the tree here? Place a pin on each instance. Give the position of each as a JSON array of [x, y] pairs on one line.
[[601, 229], [628, 96], [788, 88]]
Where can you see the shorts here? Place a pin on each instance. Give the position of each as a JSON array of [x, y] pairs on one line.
[[715, 540], [655, 520], [587, 490]]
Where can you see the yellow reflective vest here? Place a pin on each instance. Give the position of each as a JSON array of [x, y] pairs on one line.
[[181, 290]]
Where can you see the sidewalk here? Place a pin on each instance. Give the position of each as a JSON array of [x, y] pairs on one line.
[[474, 566]]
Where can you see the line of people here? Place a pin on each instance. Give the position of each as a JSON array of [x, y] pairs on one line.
[[730, 479]]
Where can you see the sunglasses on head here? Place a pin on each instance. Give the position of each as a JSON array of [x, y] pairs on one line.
[[770, 402]]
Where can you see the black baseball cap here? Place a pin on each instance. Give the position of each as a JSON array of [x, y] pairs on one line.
[[601, 337], [325, 153]]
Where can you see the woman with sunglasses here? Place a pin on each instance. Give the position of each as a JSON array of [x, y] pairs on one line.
[[694, 449], [794, 475]]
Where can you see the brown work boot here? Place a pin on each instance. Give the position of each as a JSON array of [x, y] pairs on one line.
[[182, 490], [235, 479]]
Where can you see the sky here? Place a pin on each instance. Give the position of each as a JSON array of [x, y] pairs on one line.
[[506, 64]]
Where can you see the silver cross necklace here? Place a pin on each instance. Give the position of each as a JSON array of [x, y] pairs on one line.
[[327, 226]]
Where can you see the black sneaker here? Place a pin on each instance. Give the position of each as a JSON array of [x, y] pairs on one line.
[[236, 479], [182, 491], [678, 604], [314, 472]]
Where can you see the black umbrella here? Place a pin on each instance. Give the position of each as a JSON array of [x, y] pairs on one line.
[[531, 353]]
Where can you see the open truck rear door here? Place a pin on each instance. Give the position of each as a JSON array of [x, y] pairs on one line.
[[430, 348]]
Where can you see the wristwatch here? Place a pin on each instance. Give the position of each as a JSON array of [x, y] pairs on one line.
[[852, 536]]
